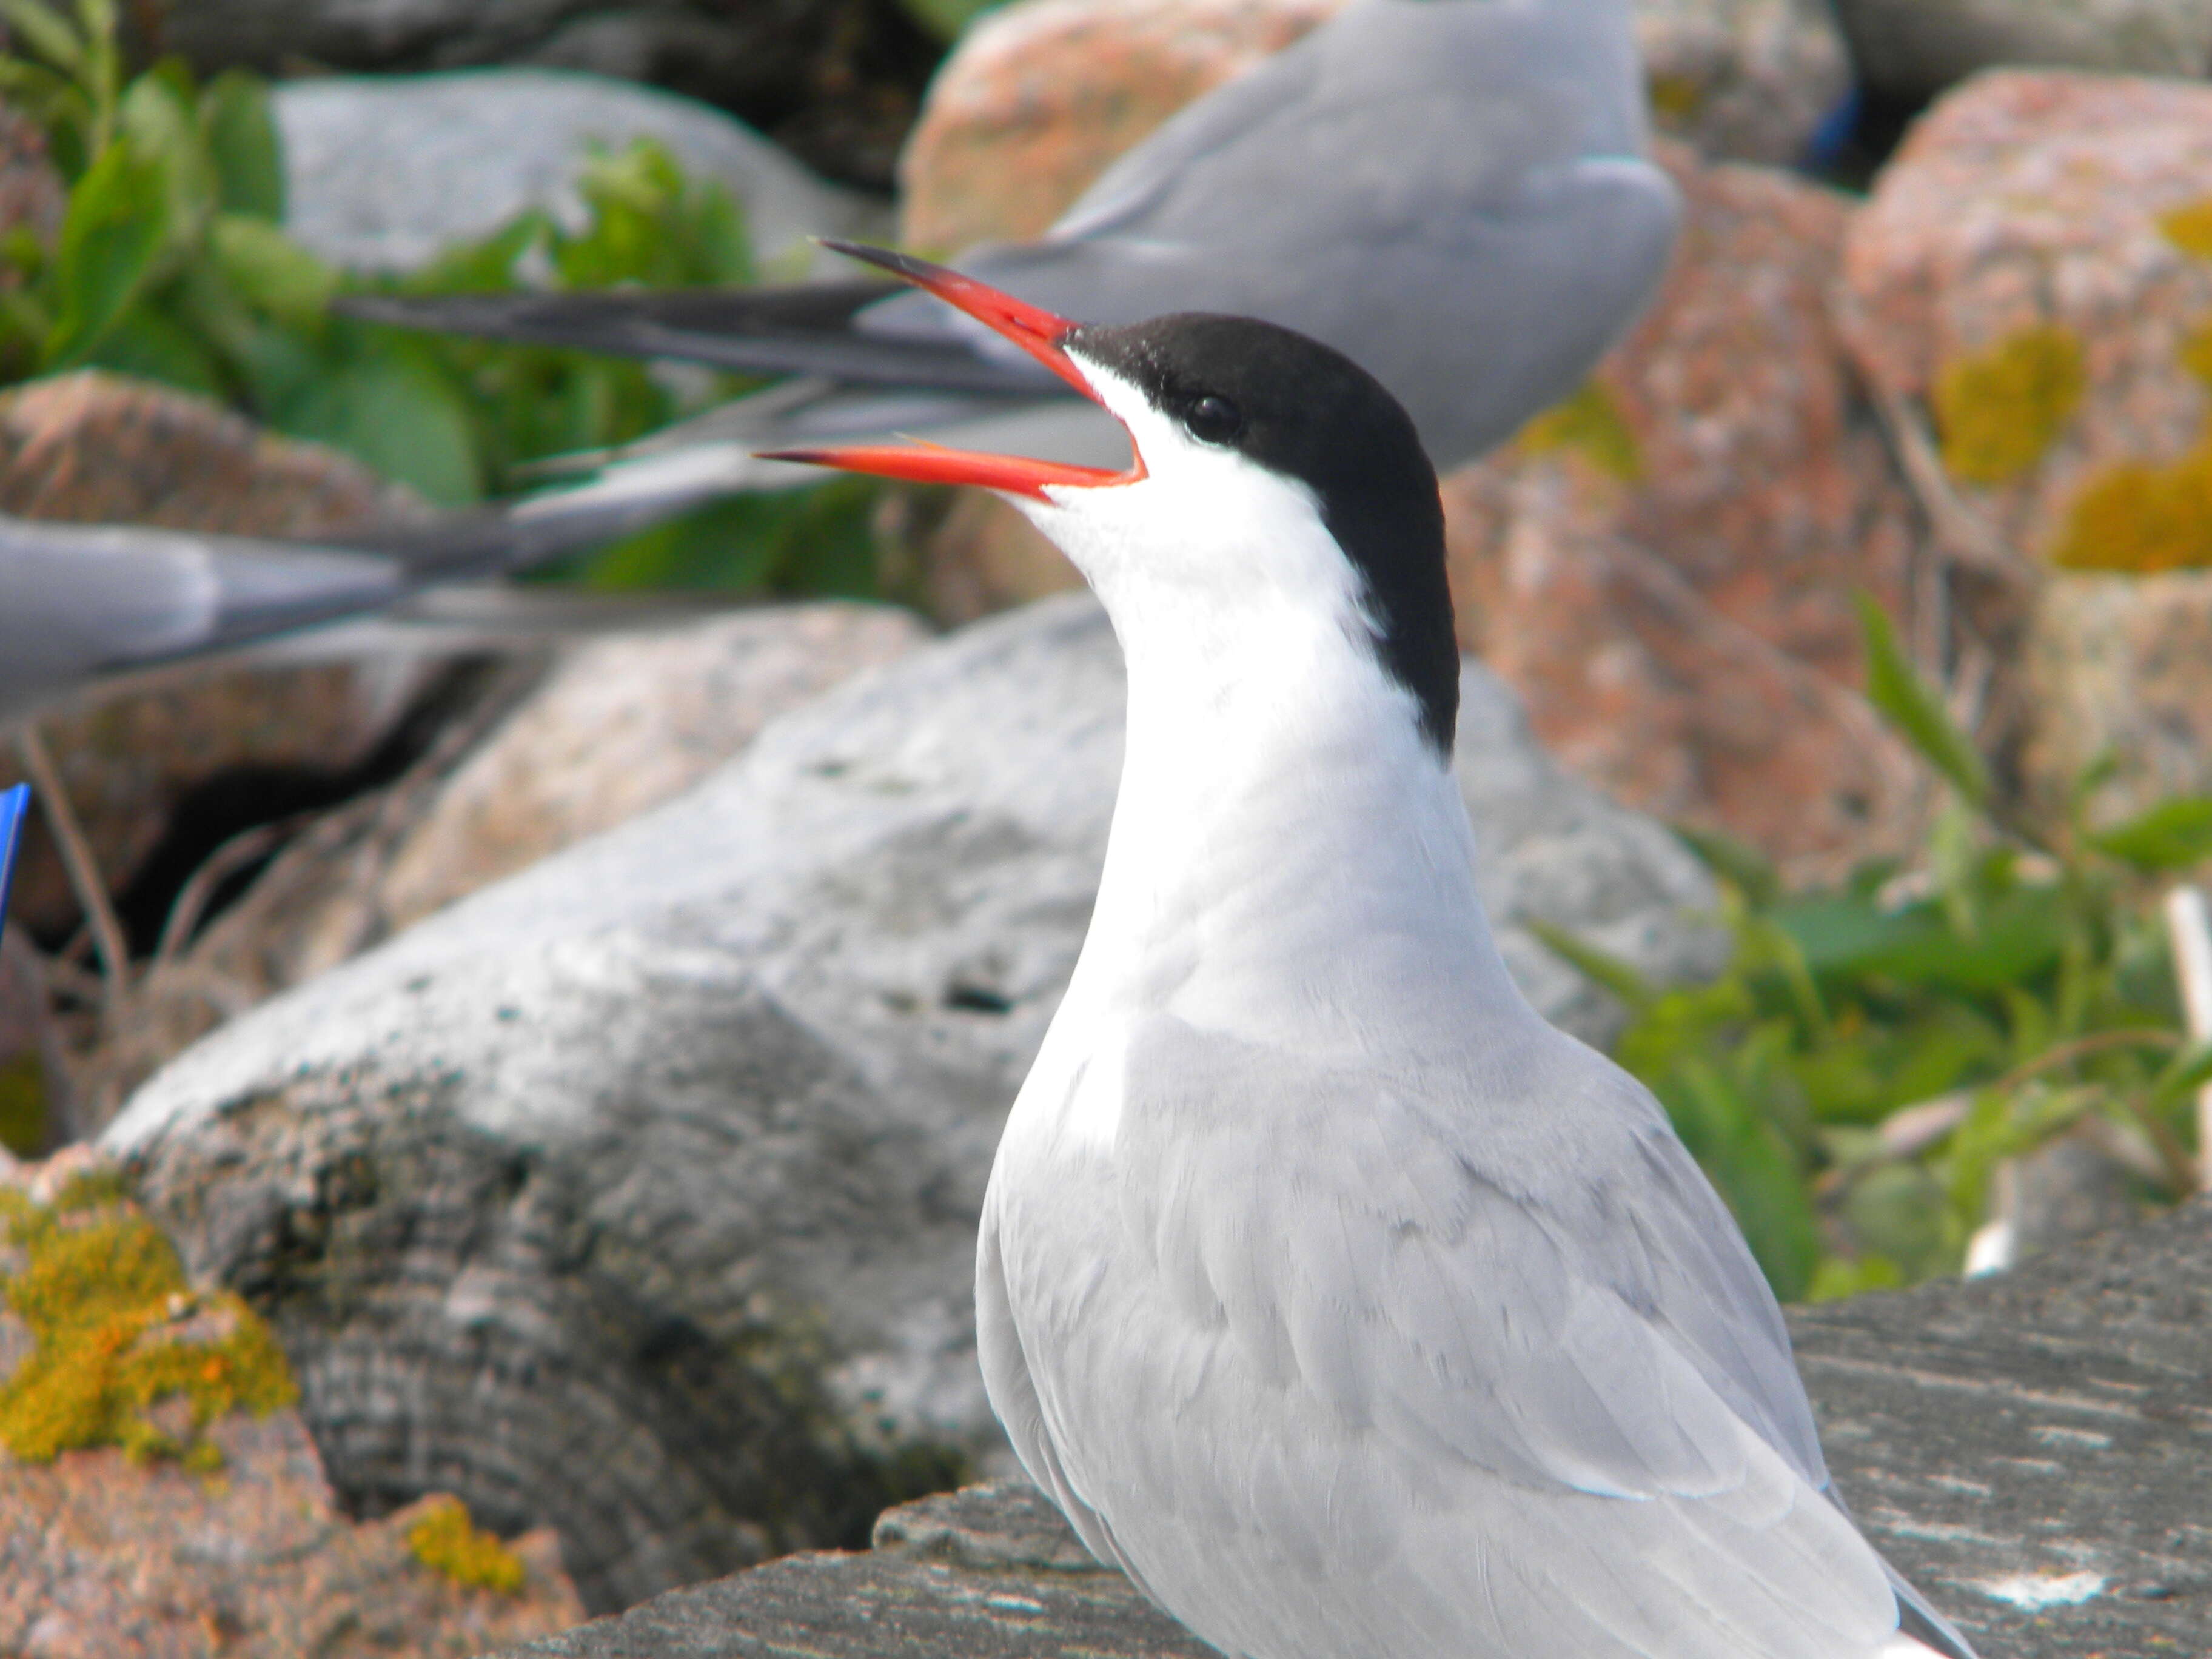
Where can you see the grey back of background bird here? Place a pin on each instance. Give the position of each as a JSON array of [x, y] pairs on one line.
[[1451, 192]]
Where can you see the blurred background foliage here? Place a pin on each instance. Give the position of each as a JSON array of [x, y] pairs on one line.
[[172, 264], [1873, 1055]]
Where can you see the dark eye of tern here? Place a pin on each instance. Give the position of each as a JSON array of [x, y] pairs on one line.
[[1214, 419]]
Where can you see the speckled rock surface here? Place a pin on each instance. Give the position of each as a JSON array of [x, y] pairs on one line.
[[103, 1558], [621, 724], [1746, 80], [638, 1193], [2032, 1451], [1667, 579], [2031, 279], [2116, 665]]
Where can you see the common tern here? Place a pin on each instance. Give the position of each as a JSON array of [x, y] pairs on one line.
[[1350, 1308], [1454, 193]]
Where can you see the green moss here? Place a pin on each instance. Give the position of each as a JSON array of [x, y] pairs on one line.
[[1590, 424], [117, 1329], [2140, 518], [23, 1106], [2188, 227], [447, 1541], [2000, 409]]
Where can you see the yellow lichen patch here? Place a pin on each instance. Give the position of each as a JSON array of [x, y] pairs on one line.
[[1676, 97], [119, 1330], [1998, 410], [2196, 353], [447, 1540], [2141, 518], [1590, 424], [2188, 227]]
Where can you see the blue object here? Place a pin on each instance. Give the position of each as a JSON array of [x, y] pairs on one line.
[[14, 807]]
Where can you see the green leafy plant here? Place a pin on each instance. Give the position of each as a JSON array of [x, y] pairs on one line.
[[1872, 1053], [172, 264]]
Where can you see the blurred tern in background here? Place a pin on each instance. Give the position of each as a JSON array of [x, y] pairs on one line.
[[1454, 194], [83, 603]]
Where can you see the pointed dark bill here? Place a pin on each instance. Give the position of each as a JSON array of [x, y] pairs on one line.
[[1037, 331]]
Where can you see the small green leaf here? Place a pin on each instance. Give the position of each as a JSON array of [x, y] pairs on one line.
[[45, 31], [2187, 1072], [158, 118], [1741, 866], [240, 132], [272, 271], [149, 346], [2174, 835], [112, 234], [390, 411], [1601, 967], [1915, 710]]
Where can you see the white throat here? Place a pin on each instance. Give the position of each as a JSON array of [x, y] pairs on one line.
[[1290, 861]]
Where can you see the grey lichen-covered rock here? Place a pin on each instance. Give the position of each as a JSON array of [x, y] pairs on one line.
[[2032, 1451], [1742, 80], [638, 1193], [383, 171], [1913, 49]]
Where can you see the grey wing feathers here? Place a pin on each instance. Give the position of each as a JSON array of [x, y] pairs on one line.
[[1481, 1398], [76, 600]]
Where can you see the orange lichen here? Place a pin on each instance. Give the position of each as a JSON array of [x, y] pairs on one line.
[[446, 1540], [2000, 409], [118, 1330]]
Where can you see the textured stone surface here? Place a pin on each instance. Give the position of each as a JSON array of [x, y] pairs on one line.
[[1915, 48], [2032, 1451], [383, 171], [2046, 217], [93, 448], [638, 1193], [2116, 665], [619, 725], [1668, 580], [103, 1558], [1747, 80], [836, 81]]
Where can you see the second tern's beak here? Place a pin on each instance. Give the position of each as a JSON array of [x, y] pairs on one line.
[[1038, 331]]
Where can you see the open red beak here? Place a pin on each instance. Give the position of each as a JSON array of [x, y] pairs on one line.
[[1037, 331]]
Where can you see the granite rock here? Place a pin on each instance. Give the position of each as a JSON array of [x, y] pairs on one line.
[[383, 171], [619, 725], [1664, 569], [2030, 283], [637, 1194]]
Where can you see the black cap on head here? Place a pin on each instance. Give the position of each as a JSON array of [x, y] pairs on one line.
[[1299, 409]]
